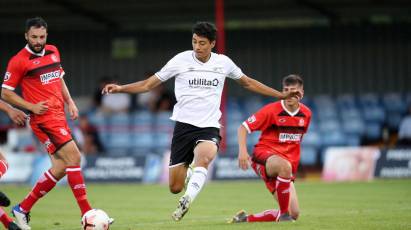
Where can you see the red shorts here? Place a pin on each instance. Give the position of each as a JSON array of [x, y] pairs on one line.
[[53, 134], [259, 159]]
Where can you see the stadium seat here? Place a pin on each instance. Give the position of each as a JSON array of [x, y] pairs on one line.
[[312, 139], [308, 155], [374, 114], [353, 127], [346, 101], [373, 131], [333, 138], [369, 100], [394, 103]]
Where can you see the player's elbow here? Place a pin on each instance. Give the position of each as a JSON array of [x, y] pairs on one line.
[[5, 94]]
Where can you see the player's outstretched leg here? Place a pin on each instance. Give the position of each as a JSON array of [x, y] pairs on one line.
[[240, 217]]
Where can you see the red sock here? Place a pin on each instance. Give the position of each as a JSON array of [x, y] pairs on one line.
[[76, 182], [266, 216], [283, 193], [45, 183], [5, 219], [3, 167]]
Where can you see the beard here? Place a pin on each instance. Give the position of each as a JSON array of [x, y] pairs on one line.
[[36, 48]]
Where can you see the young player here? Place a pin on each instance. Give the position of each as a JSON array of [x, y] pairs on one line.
[[38, 70], [277, 154], [199, 80], [19, 118]]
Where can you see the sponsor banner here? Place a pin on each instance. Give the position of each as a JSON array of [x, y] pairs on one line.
[[226, 168], [114, 169], [394, 163], [350, 163]]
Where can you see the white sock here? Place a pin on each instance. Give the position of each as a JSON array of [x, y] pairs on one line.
[[196, 182]]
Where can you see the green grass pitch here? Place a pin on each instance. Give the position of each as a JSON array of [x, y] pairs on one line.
[[381, 204]]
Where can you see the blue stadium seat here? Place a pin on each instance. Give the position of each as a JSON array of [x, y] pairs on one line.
[[142, 142], [312, 139], [374, 114], [308, 155], [333, 138], [373, 131], [353, 127], [369, 100], [329, 125], [346, 101], [394, 103]]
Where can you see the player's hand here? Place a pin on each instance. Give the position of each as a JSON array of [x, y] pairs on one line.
[[73, 110], [111, 88], [39, 108], [291, 94], [243, 160], [17, 116]]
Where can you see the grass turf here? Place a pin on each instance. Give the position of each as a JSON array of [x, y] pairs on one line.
[[381, 204]]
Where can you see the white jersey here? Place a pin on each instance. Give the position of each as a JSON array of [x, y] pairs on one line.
[[198, 86]]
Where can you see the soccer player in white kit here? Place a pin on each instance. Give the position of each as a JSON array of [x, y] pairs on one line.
[[199, 81]]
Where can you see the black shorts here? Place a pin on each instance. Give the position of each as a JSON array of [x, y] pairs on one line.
[[185, 139]]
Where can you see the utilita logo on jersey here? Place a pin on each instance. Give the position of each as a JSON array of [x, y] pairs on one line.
[[289, 137], [202, 82], [47, 77]]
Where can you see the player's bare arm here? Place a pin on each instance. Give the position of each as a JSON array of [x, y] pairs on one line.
[[136, 87], [72, 108], [14, 99], [16, 115], [243, 156], [258, 87]]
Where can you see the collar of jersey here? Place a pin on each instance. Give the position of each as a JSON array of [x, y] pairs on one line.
[[37, 54], [289, 112], [198, 61]]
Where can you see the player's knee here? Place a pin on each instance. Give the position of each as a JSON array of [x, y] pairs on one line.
[[175, 188], [285, 170]]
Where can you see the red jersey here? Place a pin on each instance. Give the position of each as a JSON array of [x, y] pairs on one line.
[[282, 131], [40, 78]]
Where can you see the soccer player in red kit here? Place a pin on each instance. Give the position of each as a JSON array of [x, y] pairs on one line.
[[38, 70], [277, 154]]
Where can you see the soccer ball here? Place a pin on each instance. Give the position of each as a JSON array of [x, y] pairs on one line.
[[95, 219]]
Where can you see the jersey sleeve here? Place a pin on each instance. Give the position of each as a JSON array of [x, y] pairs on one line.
[[259, 120], [62, 72], [233, 71], [308, 122], [14, 74], [169, 70]]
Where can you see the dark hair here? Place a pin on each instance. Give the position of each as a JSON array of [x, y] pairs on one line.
[[293, 79], [36, 22], [205, 29]]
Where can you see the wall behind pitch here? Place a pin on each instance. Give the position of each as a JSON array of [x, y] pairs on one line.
[[332, 60]]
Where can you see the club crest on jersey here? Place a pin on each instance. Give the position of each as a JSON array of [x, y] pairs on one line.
[[36, 62], [54, 58], [47, 143], [251, 119], [282, 120], [47, 77], [7, 76], [63, 132], [301, 122]]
